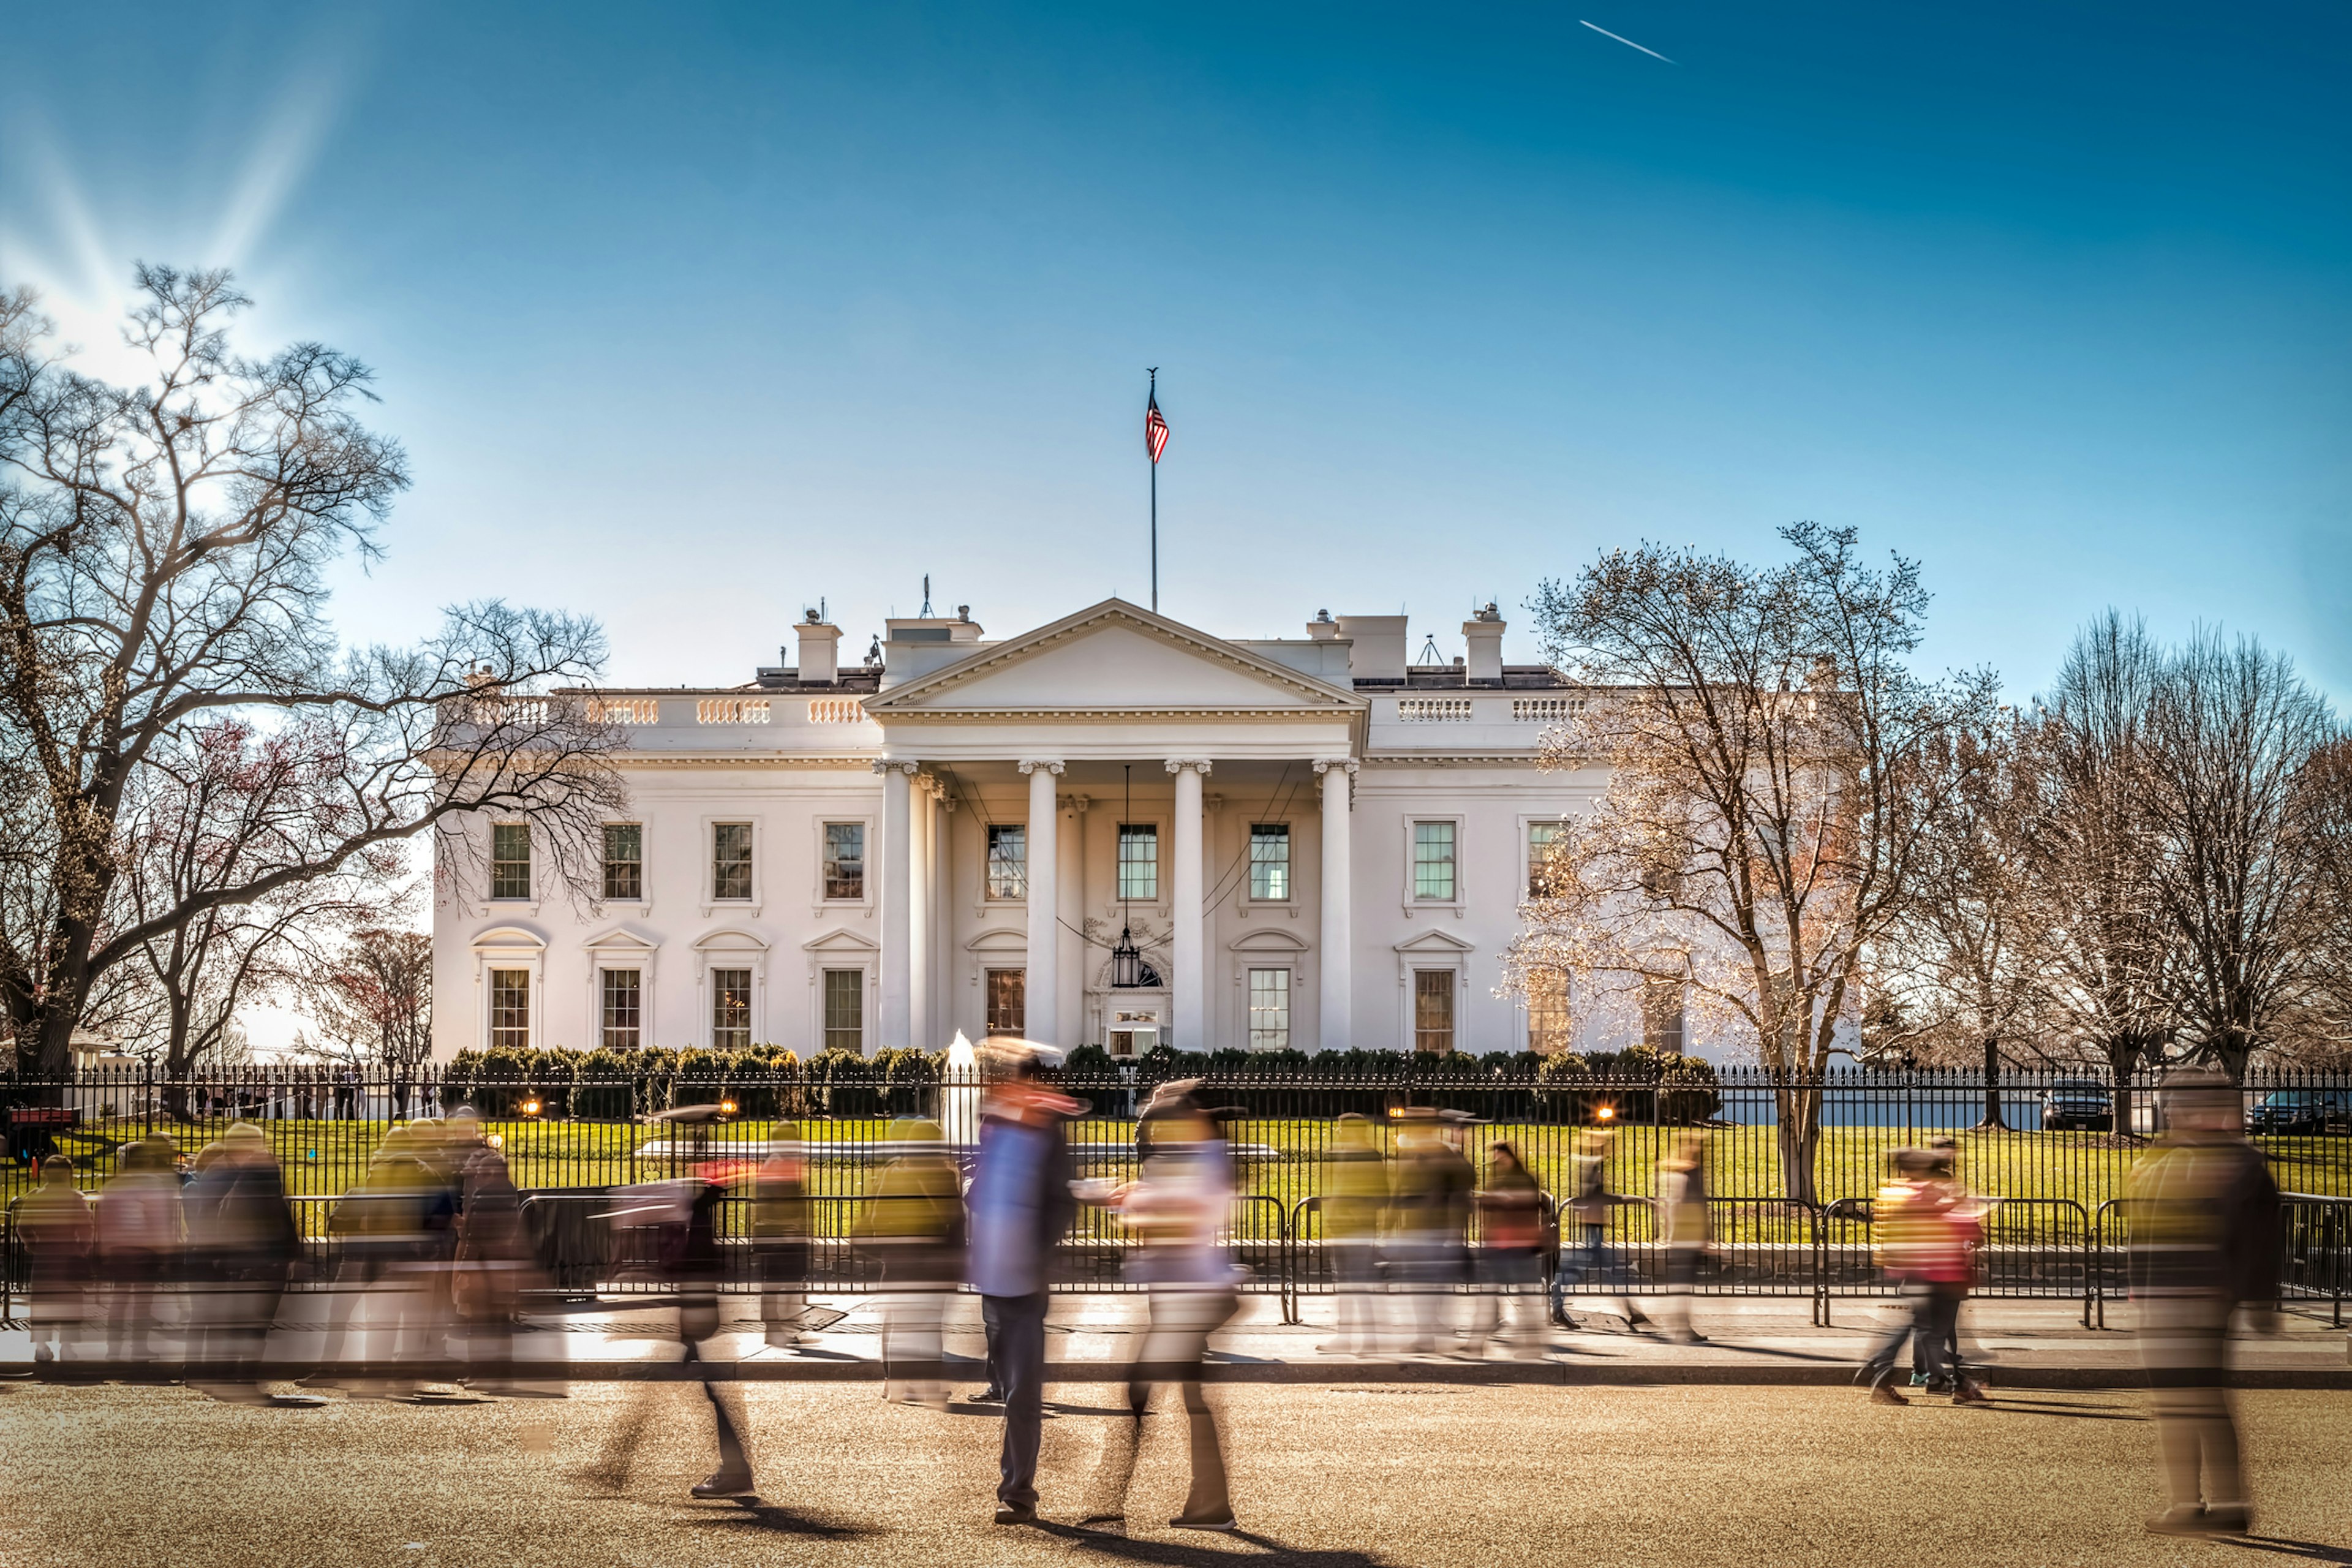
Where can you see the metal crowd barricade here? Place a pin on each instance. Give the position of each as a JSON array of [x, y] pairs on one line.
[[2033, 1248], [2317, 1251]]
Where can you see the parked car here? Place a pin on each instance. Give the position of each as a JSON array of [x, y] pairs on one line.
[[2078, 1105], [2306, 1111]]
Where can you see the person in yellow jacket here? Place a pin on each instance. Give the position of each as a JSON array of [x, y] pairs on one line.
[[1922, 1229], [1355, 1194], [912, 1226], [2205, 1239]]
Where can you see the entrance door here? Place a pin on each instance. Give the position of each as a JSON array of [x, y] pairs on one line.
[[1007, 992]]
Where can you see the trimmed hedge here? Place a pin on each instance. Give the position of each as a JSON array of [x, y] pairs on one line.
[[768, 1083]]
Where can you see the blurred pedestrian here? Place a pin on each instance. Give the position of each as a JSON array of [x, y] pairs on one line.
[[139, 1243], [679, 1219], [1019, 1205], [1924, 1231], [1355, 1193], [1429, 1216], [241, 1246], [1683, 1229], [492, 1265], [1176, 1210], [59, 1237], [1586, 1263], [1512, 1224], [912, 1226], [2205, 1239], [780, 1239]]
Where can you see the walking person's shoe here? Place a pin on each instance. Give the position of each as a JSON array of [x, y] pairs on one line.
[[2182, 1519], [1224, 1526], [1970, 1392], [2229, 1519], [724, 1483], [1882, 1390], [1016, 1513], [991, 1394]]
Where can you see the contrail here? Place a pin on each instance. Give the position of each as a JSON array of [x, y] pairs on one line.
[[1627, 42]]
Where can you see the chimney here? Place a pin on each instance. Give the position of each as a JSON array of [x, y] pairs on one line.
[[1378, 650], [819, 654], [1483, 633]]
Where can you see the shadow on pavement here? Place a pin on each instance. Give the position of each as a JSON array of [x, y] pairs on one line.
[[1183, 1554], [2308, 1551], [755, 1513]]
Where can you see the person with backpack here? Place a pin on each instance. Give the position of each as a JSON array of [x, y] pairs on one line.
[[1924, 1233], [1513, 1223], [2205, 1240]]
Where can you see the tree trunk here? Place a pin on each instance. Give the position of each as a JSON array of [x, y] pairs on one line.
[[1800, 1129], [1993, 1122]]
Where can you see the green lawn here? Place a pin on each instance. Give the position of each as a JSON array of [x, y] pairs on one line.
[[1285, 1158]]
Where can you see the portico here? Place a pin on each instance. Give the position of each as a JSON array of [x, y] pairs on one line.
[[1084, 711]]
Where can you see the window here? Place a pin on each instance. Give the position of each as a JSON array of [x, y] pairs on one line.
[[1008, 860], [1433, 861], [1138, 861], [511, 1009], [1269, 1004], [1270, 861], [1432, 1010], [1662, 1016], [1547, 1032], [730, 1009], [1540, 871], [624, 860], [1007, 994], [845, 1010], [845, 861], [730, 860], [624, 1008], [511, 859]]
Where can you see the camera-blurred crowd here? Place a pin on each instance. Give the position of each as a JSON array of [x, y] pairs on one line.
[[1436, 1244]]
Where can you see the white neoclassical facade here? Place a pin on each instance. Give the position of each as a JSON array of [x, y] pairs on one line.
[[1311, 843]]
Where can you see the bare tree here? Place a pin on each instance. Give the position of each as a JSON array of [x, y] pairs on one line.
[[2094, 852], [211, 810], [1771, 789], [1962, 968], [373, 1001], [162, 551], [2242, 880]]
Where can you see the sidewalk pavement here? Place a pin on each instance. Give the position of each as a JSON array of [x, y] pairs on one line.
[[1752, 1341]]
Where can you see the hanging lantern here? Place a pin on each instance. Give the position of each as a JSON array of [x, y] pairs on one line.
[[1127, 968]]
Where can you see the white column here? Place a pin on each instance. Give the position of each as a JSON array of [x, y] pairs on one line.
[[898, 869], [1188, 987], [1041, 987], [1072, 1001], [919, 914], [1338, 941]]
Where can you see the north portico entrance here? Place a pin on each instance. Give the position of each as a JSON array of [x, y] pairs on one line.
[[1117, 770]]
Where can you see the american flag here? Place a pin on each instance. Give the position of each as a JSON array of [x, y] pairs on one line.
[[1155, 429]]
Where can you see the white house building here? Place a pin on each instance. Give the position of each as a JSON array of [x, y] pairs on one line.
[[1312, 843]]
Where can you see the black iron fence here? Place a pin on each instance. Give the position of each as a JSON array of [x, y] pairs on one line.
[[1791, 1164]]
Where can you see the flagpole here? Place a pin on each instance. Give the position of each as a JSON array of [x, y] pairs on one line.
[[1154, 461]]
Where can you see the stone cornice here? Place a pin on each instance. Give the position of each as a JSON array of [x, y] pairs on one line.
[[1107, 715]]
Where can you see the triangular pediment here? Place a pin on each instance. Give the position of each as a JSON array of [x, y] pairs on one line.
[[1430, 942], [1113, 658]]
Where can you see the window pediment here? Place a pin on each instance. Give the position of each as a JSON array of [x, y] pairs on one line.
[[730, 942]]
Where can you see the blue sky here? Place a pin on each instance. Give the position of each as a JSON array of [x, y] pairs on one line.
[[690, 315]]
